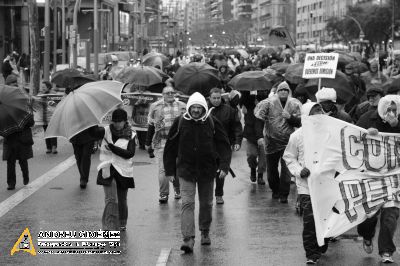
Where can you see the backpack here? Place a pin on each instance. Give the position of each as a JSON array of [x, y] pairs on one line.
[[209, 119]]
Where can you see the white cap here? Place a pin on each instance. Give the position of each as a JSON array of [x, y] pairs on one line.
[[197, 98], [326, 94], [114, 58]]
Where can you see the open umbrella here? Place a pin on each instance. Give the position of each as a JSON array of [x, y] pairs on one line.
[[155, 59], [280, 67], [250, 81], [294, 73], [200, 77], [340, 83], [70, 78], [344, 59], [84, 108], [15, 110], [267, 50], [142, 76], [358, 66]]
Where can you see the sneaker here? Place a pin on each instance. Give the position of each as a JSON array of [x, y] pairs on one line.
[[311, 261], [219, 200], [177, 195], [48, 151], [387, 258], [188, 244], [205, 238], [10, 187], [163, 199], [368, 246], [253, 176], [26, 181]]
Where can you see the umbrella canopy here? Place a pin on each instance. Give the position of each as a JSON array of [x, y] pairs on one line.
[[142, 76], [267, 50], [84, 108], [15, 110], [344, 59], [356, 55], [358, 66], [155, 59], [200, 77], [70, 78], [280, 67], [294, 73], [340, 83], [250, 81]]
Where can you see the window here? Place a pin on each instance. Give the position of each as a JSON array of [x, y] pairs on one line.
[[320, 4]]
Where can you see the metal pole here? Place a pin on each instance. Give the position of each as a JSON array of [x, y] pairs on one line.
[[63, 31], [75, 29], [46, 62], [95, 38], [55, 33], [142, 22], [159, 28]]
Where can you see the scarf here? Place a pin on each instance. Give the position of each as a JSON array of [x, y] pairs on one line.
[[125, 132]]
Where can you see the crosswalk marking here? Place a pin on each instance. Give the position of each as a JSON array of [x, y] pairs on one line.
[[163, 258], [39, 182]]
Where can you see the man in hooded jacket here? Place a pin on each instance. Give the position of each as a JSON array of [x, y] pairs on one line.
[[281, 114], [196, 149]]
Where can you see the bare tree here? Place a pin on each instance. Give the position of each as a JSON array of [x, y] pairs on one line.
[[35, 47]]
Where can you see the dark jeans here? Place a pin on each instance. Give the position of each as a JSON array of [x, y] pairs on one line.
[[111, 194], [387, 229], [50, 142], [141, 135], [278, 184], [11, 176], [219, 186], [83, 154], [310, 244]]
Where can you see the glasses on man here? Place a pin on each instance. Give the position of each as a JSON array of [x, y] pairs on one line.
[[169, 93]]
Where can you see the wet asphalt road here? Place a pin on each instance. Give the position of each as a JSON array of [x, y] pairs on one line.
[[249, 229]]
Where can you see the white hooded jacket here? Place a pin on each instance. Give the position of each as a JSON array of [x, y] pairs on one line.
[[294, 153]]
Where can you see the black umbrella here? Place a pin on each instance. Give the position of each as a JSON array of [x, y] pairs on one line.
[[250, 81], [70, 78], [196, 77], [340, 83], [15, 110]]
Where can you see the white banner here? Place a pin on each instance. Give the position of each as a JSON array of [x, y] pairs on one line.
[[352, 173], [320, 65]]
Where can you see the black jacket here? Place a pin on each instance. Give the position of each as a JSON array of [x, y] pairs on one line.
[[230, 120], [372, 119], [196, 153]]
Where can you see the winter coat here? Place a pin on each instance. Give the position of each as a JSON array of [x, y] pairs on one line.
[[128, 153], [19, 144], [230, 120], [341, 115], [372, 119], [294, 158], [6, 69], [277, 129], [253, 127], [196, 153]]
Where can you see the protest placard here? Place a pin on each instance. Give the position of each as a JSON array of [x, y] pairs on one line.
[[352, 176], [320, 65]]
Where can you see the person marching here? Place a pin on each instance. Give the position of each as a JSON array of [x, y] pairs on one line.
[[161, 116], [384, 119], [231, 122], [196, 149], [281, 114], [116, 167], [294, 158]]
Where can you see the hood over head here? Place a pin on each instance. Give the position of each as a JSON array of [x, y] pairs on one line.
[[385, 102], [197, 98], [306, 108]]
